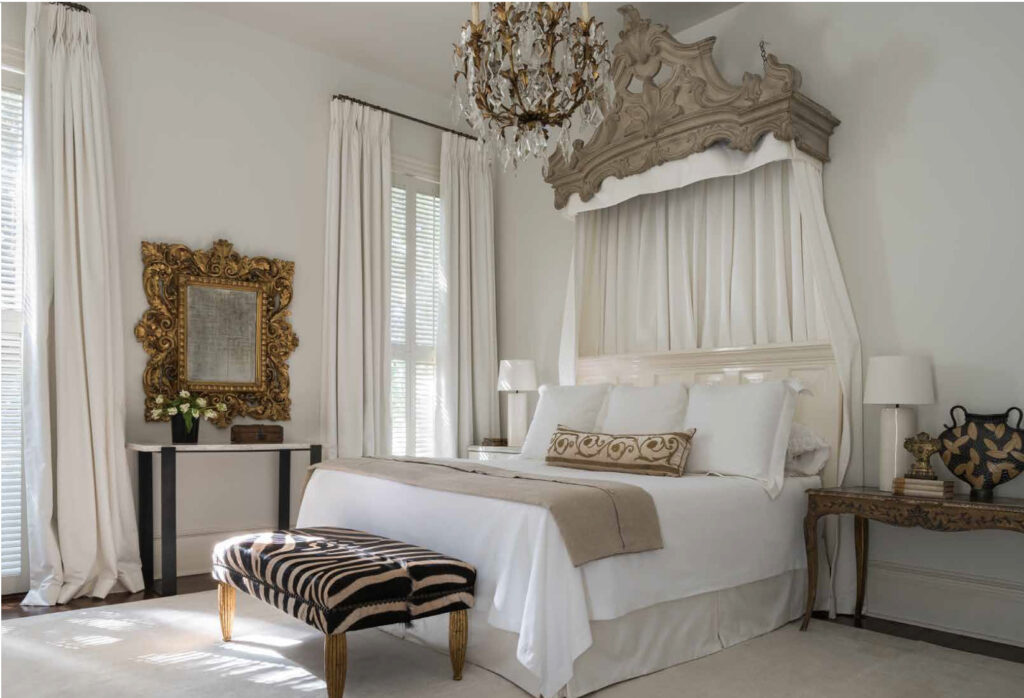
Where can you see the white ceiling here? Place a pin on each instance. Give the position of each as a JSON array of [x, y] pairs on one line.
[[412, 41]]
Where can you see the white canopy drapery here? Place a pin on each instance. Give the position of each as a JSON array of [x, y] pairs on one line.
[[719, 249], [719, 263], [717, 161]]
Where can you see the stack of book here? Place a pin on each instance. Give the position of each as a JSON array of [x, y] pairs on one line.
[[911, 487]]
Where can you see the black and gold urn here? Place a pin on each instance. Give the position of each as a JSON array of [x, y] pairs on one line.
[[984, 451]]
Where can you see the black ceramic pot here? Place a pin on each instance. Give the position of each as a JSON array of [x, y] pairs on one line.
[[180, 435], [983, 451]]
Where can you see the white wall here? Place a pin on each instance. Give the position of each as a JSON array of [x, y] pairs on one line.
[[221, 131], [923, 198], [532, 252]]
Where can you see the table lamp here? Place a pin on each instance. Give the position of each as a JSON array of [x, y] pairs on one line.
[[897, 381], [516, 376]]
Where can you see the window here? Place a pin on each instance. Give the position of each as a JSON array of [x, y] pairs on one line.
[[12, 545], [415, 256]]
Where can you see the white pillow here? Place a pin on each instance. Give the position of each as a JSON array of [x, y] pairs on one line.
[[575, 406], [654, 410], [807, 452], [741, 430]]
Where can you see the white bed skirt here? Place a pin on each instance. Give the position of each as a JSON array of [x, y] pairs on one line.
[[641, 642]]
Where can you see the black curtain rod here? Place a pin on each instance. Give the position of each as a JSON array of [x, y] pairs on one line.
[[405, 116], [73, 6]]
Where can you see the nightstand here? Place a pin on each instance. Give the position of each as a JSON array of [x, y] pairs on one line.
[[957, 514], [492, 452]]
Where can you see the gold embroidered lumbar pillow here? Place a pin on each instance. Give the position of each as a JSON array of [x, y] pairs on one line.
[[639, 454]]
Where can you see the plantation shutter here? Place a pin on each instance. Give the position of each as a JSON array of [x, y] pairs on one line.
[[11, 156], [399, 360], [415, 255]]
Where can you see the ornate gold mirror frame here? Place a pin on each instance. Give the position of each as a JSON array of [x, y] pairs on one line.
[[671, 101], [262, 335]]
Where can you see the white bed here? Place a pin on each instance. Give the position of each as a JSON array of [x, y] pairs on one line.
[[730, 567]]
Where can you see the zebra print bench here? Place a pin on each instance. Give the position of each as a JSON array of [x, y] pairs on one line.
[[338, 580]]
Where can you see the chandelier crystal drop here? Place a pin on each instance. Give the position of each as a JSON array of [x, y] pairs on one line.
[[523, 72]]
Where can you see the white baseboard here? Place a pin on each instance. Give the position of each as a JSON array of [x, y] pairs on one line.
[[195, 549], [982, 607]]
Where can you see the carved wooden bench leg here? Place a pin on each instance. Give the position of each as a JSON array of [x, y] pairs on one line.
[[226, 604], [458, 634], [335, 660]]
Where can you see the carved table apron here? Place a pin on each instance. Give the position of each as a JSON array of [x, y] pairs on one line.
[[957, 514]]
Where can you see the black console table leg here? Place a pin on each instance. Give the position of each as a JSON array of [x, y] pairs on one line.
[[315, 454], [284, 489], [146, 516], [168, 522]]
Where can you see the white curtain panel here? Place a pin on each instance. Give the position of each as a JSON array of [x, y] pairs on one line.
[[356, 345], [730, 261], [81, 519], [720, 263], [467, 344]]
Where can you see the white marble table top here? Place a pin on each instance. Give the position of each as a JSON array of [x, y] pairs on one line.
[[494, 449], [213, 448]]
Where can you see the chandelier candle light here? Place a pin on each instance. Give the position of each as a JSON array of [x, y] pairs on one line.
[[522, 73]]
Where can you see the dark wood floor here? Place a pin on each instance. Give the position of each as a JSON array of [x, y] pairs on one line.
[[988, 648], [12, 608]]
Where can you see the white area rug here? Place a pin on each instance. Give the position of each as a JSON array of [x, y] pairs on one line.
[[172, 647]]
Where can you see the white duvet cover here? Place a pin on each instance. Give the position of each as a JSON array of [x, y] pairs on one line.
[[718, 532]]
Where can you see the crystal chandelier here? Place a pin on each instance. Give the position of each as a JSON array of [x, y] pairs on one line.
[[524, 72]]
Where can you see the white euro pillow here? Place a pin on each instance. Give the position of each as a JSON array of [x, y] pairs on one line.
[[575, 406], [742, 430], [807, 452], [656, 409]]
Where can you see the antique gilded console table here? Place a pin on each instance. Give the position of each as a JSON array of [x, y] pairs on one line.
[[168, 498], [957, 514]]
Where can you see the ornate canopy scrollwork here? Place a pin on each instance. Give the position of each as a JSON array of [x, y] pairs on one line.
[[251, 331], [671, 102]]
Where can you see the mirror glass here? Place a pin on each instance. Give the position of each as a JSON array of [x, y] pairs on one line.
[[222, 334]]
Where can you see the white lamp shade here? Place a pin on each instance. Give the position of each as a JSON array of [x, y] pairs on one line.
[[899, 380], [517, 375]]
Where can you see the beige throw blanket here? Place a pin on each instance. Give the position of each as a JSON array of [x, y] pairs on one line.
[[597, 518]]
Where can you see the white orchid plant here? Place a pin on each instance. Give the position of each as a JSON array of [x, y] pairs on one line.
[[191, 408]]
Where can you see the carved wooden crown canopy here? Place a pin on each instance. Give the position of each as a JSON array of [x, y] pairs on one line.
[[655, 119]]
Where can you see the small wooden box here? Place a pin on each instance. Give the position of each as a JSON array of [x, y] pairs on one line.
[[257, 434]]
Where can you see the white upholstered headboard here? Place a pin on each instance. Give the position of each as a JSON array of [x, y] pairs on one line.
[[813, 364]]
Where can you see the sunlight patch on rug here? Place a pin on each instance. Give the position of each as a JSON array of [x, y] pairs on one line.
[[279, 674], [78, 642]]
